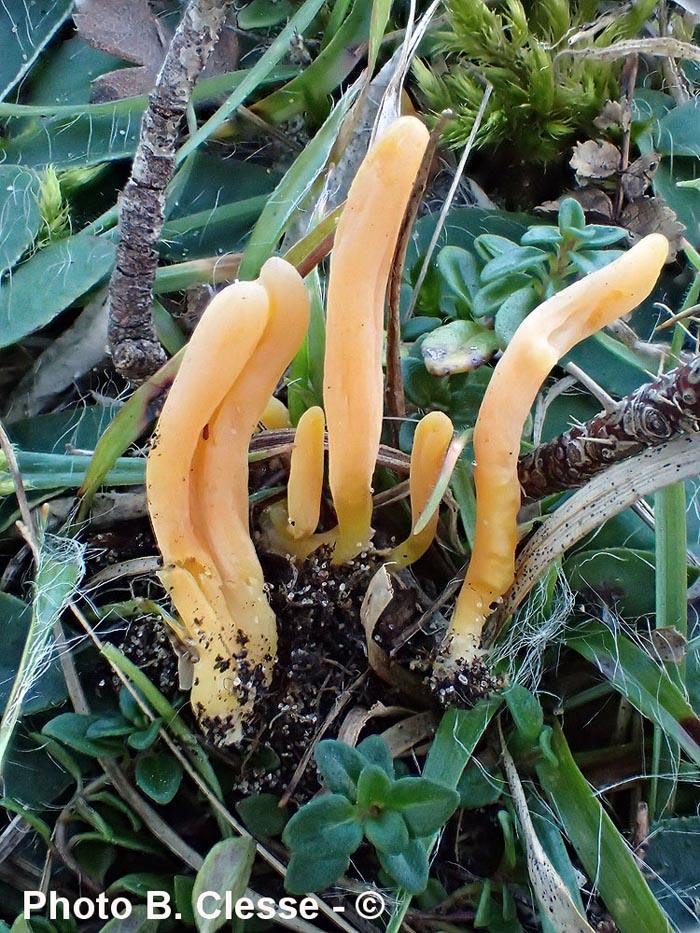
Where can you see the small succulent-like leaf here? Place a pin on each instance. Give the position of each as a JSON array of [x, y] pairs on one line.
[[226, 869], [159, 774], [458, 347], [375, 751], [373, 788], [424, 804], [340, 766], [490, 298], [262, 815], [526, 711], [520, 259], [328, 825], [513, 312], [307, 875], [409, 869], [387, 832]]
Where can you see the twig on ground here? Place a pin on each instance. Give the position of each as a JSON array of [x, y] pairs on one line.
[[394, 396], [133, 342], [656, 412]]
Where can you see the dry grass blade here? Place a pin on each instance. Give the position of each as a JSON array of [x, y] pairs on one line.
[[395, 401], [552, 893], [606, 495]]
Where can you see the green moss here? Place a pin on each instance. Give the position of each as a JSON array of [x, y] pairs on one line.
[[540, 102]]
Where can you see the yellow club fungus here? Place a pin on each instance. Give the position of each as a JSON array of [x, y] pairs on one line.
[[306, 474], [197, 483], [546, 335], [430, 444], [361, 260]]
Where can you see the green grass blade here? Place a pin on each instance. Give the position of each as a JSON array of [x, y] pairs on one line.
[[131, 422], [310, 90], [306, 372], [646, 684], [455, 740], [280, 47], [380, 17], [291, 192], [604, 854], [60, 567], [671, 610]]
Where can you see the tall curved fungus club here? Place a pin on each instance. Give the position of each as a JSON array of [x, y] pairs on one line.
[[546, 335], [197, 485], [353, 392]]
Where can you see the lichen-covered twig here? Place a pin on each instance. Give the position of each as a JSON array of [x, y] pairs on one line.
[[656, 412], [133, 342]]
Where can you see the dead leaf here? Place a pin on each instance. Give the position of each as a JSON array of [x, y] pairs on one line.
[[128, 29], [667, 645], [592, 200], [638, 176], [359, 717], [614, 115], [124, 28], [407, 733], [595, 159], [379, 594], [653, 215], [552, 893]]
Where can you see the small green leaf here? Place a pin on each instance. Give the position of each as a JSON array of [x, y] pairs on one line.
[[571, 217], [416, 327], [141, 883], [306, 875], [480, 786], [521, 259], [340, 766], [144, 738], [526, 711], [425, 805], [159, 774], [373, 787], [331, 819], [262, 14], [262, 815], [387, 831], [409, 869], [541, 236], [490, 245], [19, 211], [459, 271], [108, 727], [72, 267], [71, 729], [598, 235], [458, 347], [587, 261], [226, 869], [513, 312], [375, 751], [183, 885], [490, 298]]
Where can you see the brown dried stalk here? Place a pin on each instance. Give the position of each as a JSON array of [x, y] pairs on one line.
[[656, 412], [133, 342]]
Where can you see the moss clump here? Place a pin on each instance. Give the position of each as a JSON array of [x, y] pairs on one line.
[[541, 100]]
